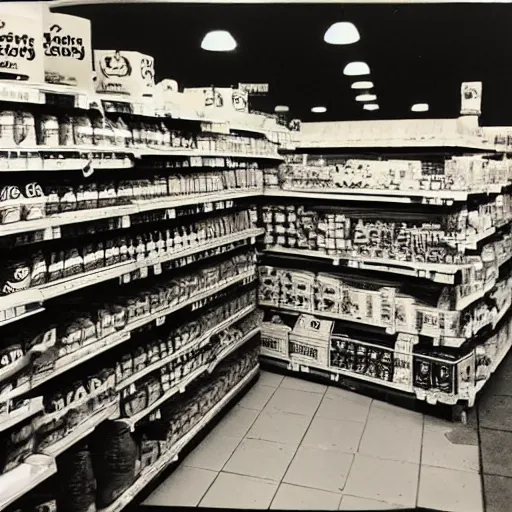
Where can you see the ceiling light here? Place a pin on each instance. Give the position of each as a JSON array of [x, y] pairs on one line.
[[371, 106], [356, 69], [366, 97], [341, 33], [218, 41], [420, 107], [318, 110], [281, 108], [362, 85]]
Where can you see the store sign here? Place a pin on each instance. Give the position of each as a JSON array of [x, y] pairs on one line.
[[67, 51], [225, 99], [123, 72], [21, 31], [254, 89], [471, 99]]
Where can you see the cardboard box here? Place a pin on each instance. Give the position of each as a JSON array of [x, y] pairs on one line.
[[123, 72], [68, 51], [21, 33]]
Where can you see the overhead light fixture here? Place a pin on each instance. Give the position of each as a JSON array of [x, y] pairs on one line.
[[218, 41], [343, 32], [318, 110], [420, 107], [356, 69], [362, 85], [366, 97], [371, 106], [281, 108]]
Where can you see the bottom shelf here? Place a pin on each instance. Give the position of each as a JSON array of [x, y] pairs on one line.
[[172, 455]]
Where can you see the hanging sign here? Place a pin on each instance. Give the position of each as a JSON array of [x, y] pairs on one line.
[[471, 99], [21, 33], [223, 99], [254, 89], [122, 72], [67, 51]]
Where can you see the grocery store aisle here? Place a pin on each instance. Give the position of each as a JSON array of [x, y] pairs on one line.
[[294, 444]]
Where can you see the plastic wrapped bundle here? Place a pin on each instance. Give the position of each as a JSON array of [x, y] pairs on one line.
[[76, 481], [115, 460]]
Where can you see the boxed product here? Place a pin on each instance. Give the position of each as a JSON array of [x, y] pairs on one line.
[[67, 51], [124, 72]]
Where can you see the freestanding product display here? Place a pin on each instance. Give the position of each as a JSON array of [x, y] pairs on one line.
[[135, 221]]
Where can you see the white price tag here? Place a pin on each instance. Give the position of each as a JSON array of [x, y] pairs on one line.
[[132, 388], [253, 240], [295, 367], [157, 269], [48, 234], [126, 278], [304, 369], [353, 264], [125, 222], [144, 272], [421, 273], [160, 321], [171, 213], [336, 262], [182, 389]]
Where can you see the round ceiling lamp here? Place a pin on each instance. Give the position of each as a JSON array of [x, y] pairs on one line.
[[318, 110], [343, 32], [371, 106], [366, 97], [420, 107], [218, 41], [362, 85], [281, 108], [356, 69]]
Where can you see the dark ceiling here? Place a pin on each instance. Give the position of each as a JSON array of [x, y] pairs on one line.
[[416, 52]]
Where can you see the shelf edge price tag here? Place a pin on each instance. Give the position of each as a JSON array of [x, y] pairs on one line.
[[125, 222], [157, 269], [160, 321], [336, 262], [144, 272]]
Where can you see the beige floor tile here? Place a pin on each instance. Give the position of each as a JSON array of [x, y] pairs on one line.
[[443, 448], [281, 427], [213, 452], [393, 442], [303, 385], [334, 435], [294, 402], [261, 459], [237, 422], [319, 469], [177, 490], [383, 480], [292, 497], [270, 379], [384, 413], [354, 503], [450, 490], [335, 392], [338, 408], [237, 491], [257, 397]]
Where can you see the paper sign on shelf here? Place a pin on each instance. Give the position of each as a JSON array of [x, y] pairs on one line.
[[68, 51], [224, 100], [471, 99]]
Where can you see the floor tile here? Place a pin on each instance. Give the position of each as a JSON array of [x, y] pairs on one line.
[[257, 397], [270, 379], [261, 459], [498, 493], [383, 480], [177, 490], [393, 442], [334, 435], [281, 427], [237, 422], [320, 469], [338, 408], [450, 490], [213, 452], [292, 497], [355, 503], [444, 447], [384, 413], [335, 392], [494, 412], [294, 402], [237, 491], [303, 385], [496, 446]]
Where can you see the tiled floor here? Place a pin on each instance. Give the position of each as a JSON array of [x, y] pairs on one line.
[[292, 444]]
